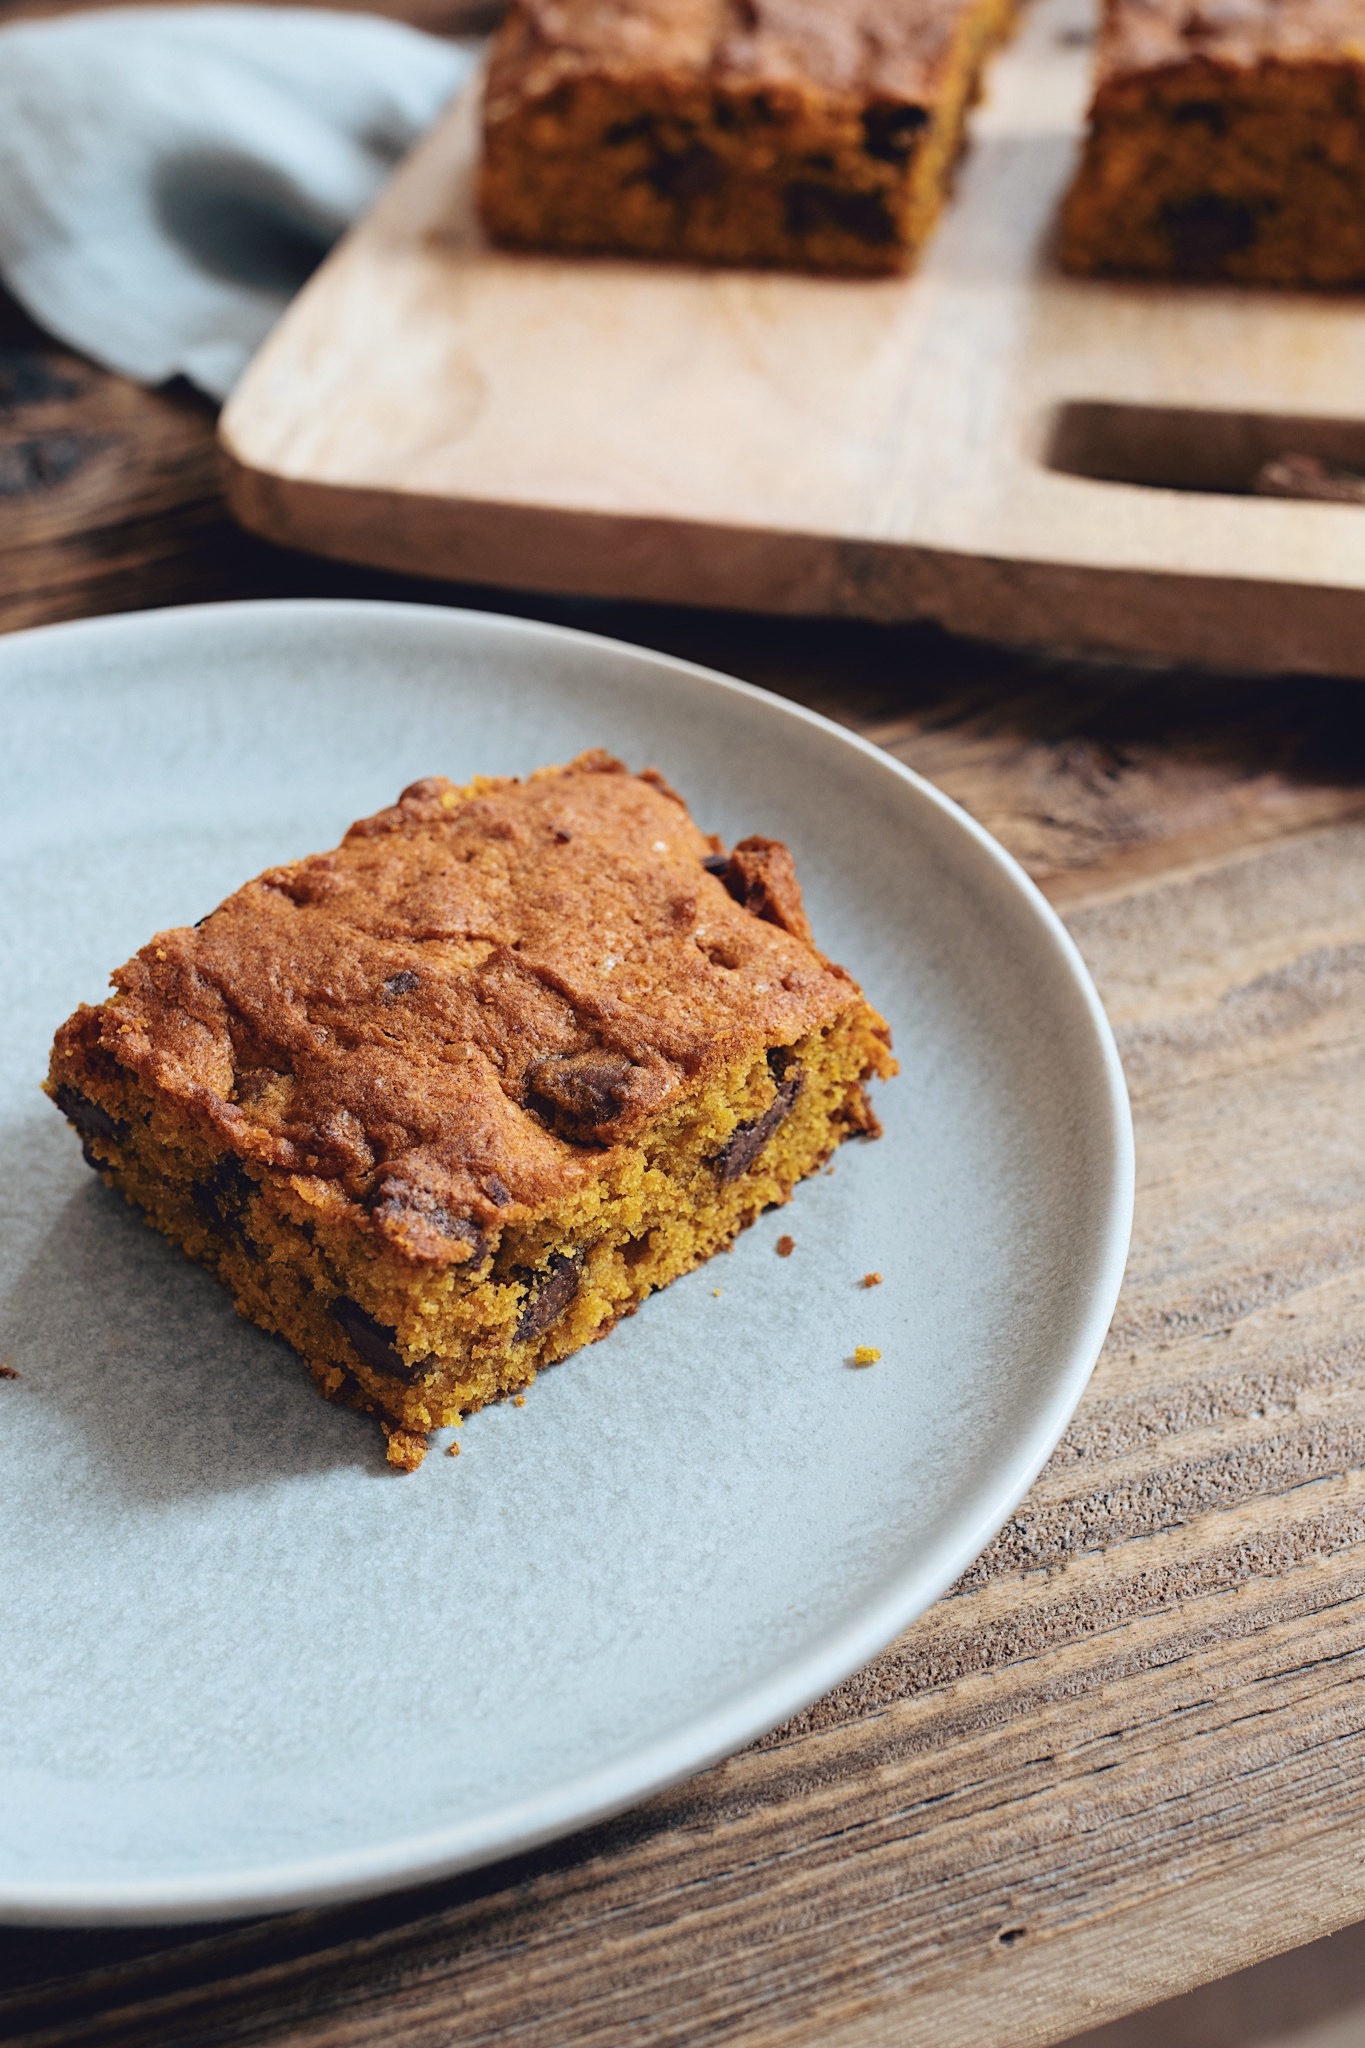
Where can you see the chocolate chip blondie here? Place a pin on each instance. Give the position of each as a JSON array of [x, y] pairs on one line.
[[1227, 139], [442, 1105], [815, 136]]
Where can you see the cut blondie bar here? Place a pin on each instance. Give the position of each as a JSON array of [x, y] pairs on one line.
[[1227, 139], [444, 1104], [815, 134]]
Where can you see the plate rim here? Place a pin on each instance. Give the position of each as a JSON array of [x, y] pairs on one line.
[[806, 1674]]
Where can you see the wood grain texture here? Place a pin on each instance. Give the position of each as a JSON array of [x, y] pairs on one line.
[[1127, 1753], [812, 445]]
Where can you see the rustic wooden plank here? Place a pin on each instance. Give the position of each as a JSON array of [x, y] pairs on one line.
[[1307, 1997], [1126, 1754], [109, 495]]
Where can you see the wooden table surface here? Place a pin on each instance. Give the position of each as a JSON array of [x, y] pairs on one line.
[[1127, 1753]]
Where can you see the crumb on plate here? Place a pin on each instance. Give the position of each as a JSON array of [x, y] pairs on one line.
[[406, 1448]]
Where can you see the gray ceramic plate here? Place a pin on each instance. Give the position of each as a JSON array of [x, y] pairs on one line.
[[243, 1665]]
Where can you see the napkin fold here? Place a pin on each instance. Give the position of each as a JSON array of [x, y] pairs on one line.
[[170, 175]]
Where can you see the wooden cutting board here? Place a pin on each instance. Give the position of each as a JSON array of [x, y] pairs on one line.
[[986, 443]]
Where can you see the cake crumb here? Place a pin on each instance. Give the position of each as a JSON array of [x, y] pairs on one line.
[[8, 1369], [518, 1400], [870, 1280], [866, 1354], [452, 1450], [785, 1246], [406, 1448], [717, 1292]]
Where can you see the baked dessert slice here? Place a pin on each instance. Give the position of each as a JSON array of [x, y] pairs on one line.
[[442, 1105], [815, 134], [1227, 140]]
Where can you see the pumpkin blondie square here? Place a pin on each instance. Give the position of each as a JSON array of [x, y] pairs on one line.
[[442, 1105], [1226, 140], [812, 134]]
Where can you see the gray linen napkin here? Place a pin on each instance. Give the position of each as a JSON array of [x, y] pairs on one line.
[[170, 175]]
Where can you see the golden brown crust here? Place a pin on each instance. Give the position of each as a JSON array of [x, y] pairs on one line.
[[441, 1024]]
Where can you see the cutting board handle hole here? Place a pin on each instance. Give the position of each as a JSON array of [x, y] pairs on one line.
[[1189, 448]]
